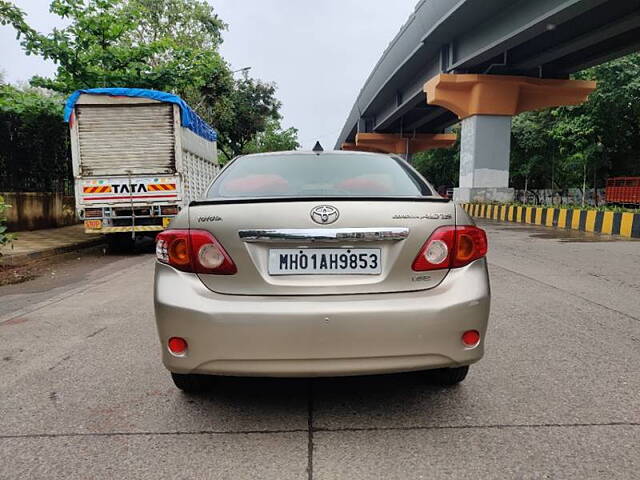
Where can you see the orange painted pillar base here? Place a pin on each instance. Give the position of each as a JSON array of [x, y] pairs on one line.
[[485, 104]]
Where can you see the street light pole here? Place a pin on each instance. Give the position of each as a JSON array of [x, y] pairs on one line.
[[244, 70]]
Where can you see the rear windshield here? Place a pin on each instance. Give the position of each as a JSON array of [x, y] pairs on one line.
[[328, 175]]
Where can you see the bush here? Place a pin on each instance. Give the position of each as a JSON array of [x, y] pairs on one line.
[[5, 238], [34, 142]]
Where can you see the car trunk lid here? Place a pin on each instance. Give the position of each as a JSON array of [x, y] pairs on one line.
[[393, 231]]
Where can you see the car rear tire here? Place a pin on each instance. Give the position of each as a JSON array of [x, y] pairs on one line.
[[448, 376], [190, 383]]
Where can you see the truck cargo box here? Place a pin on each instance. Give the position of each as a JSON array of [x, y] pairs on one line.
[[139, 156]]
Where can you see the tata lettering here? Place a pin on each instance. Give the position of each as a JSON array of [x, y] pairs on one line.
[[135, 188]]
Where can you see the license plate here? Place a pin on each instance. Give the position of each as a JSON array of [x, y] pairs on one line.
[[314, 261], [93, 224]]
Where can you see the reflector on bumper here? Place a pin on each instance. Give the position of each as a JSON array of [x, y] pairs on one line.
[[137, 228]]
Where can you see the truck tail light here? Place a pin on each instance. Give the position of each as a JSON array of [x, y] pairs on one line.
[[169, 210], [451, 247], [93, 212], [196, 251]]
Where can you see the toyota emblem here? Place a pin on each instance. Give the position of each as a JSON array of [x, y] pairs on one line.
[[324, 214]]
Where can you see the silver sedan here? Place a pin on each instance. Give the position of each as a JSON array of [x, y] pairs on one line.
[[320, 264]]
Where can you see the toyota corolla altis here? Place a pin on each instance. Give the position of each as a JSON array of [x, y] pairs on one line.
[[320, 264]]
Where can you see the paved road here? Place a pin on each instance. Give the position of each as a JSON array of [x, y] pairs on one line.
[[83, 394]]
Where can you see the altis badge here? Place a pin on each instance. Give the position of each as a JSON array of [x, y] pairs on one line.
[[426, 216]]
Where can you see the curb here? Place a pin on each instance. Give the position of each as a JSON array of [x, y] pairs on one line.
[[625, 224], [22, 258]]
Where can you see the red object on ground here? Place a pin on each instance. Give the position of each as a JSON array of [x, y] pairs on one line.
[[623, 190]]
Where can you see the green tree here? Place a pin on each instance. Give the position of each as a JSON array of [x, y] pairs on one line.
[[114, 43], [530, 150], [33, 141], [5, 238], [273, 139], [186, 22], [169, 45], [568, 147], [245, 111], [440, 166]]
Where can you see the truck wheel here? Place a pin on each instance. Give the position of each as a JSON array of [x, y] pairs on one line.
[[448, 376], [190, 383]]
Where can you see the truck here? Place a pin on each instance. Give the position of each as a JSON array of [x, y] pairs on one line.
[[623, 191], [139, 156]]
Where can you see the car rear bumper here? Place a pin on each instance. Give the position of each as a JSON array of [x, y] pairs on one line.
[[321, 335]]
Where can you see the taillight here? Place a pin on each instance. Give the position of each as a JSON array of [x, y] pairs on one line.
[[471, 244], [93, 212], [196, 251], [436, 253], [208, 256], [168, 210], [451, 247]]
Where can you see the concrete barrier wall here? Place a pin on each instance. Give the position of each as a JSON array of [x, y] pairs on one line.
[[32, 210], [626, 224]]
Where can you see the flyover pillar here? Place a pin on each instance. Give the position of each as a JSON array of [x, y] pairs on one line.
[[485, 142], [486, 104]]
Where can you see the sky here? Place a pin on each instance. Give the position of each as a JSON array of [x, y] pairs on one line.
[[318, 52]]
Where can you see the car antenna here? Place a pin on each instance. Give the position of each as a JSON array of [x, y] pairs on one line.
[[318, 148]]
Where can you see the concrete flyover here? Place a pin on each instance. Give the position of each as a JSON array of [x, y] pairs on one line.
[[481, 62]]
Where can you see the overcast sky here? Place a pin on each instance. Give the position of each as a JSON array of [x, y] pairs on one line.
[[318, 52]]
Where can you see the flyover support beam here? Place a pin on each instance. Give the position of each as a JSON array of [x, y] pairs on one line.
[[400, 144], [485, 104], [350, 146]]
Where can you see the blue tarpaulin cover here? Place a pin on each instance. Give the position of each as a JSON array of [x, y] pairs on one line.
[[189, 118]]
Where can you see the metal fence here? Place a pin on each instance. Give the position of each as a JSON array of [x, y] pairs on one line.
[[570, 196]]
